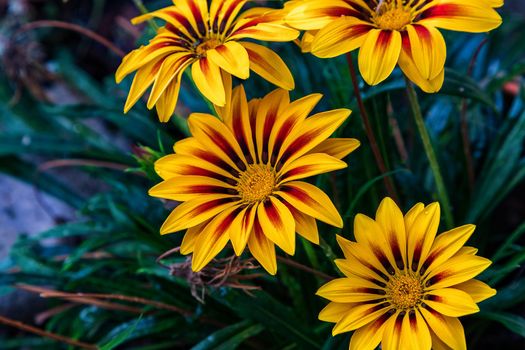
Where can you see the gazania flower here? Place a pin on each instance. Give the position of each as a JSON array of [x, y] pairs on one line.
[[404, 287], [390, 32], [211, 41], [240, 177]]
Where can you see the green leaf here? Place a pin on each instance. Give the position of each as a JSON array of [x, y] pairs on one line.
[[513, 322], [121, 336], [229, 337]]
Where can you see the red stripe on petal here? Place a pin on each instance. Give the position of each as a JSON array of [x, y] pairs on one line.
[[444, 10], [273, 215], [208, 205]]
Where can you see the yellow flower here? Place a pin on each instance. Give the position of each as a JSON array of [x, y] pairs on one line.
[[404, 287], [210, 40], [390, 32], [239, 177]]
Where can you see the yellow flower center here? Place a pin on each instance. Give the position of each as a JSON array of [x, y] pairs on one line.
[[206, 45], [256, 183], [404, 292], [391, 15]]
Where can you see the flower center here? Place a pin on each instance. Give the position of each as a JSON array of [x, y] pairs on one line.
[[404, 292], [206, 45], [390, 15], [256, 183]]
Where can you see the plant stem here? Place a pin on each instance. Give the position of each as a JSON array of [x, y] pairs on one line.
[[369, 132], [431, 154]]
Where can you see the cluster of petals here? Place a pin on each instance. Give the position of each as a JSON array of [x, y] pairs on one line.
[[212, 40], [240, 176], [390, 32], [405, 286]]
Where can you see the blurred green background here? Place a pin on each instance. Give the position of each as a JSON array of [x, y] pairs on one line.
[[74, 174]]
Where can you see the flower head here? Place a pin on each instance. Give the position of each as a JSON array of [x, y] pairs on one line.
[[405, 287], [239, 177], [211, 41], [390, 32]]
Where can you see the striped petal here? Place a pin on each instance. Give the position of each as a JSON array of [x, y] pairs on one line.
[[242, 228], [311, 133], [312, 201], [368, 337], [415, 334], [278, 224], [308, 15], [262, 248], [207, 78], [340, 36], [358, 317], [171, 69], [264, 32], [310, 165], [362, 261], [180, 164], [216, 138], [451, 302], [457, 269], [213, 238], [421, 235], [269, 65], [232, 57], [141, 82], [447, 244], [428, 50], [448, 329], [196, 211], [392, 334], [390, 218], [460, 15], [378, 55], [350, 290], [409, 68], [185, 188], [337, 147]]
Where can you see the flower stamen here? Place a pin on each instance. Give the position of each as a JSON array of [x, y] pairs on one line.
[[256, 183], [404, 291]]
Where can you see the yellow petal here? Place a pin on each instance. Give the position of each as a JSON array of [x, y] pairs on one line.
[[368, 337], [262, 248], [142, 80], [311, 201], [311, 133], [448, 329], [460, 15], [415, 334], [411, 215], [478, 290], [390, 217], [451, 302], [196, 211], [207, 78], [188, 241], [242, 228], [378, 55], [308, 15], [447, 244], [337, 147], [392, 339], [421, 235], [168, 100], [232, 57], [340, 36], [358, 317], [350, 290], [264, 32], [333, 312], [213, 238], [188, 187], [457, 269], [309, 165], [269, 65], [428, 49], [305, 225], [277, 224]]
